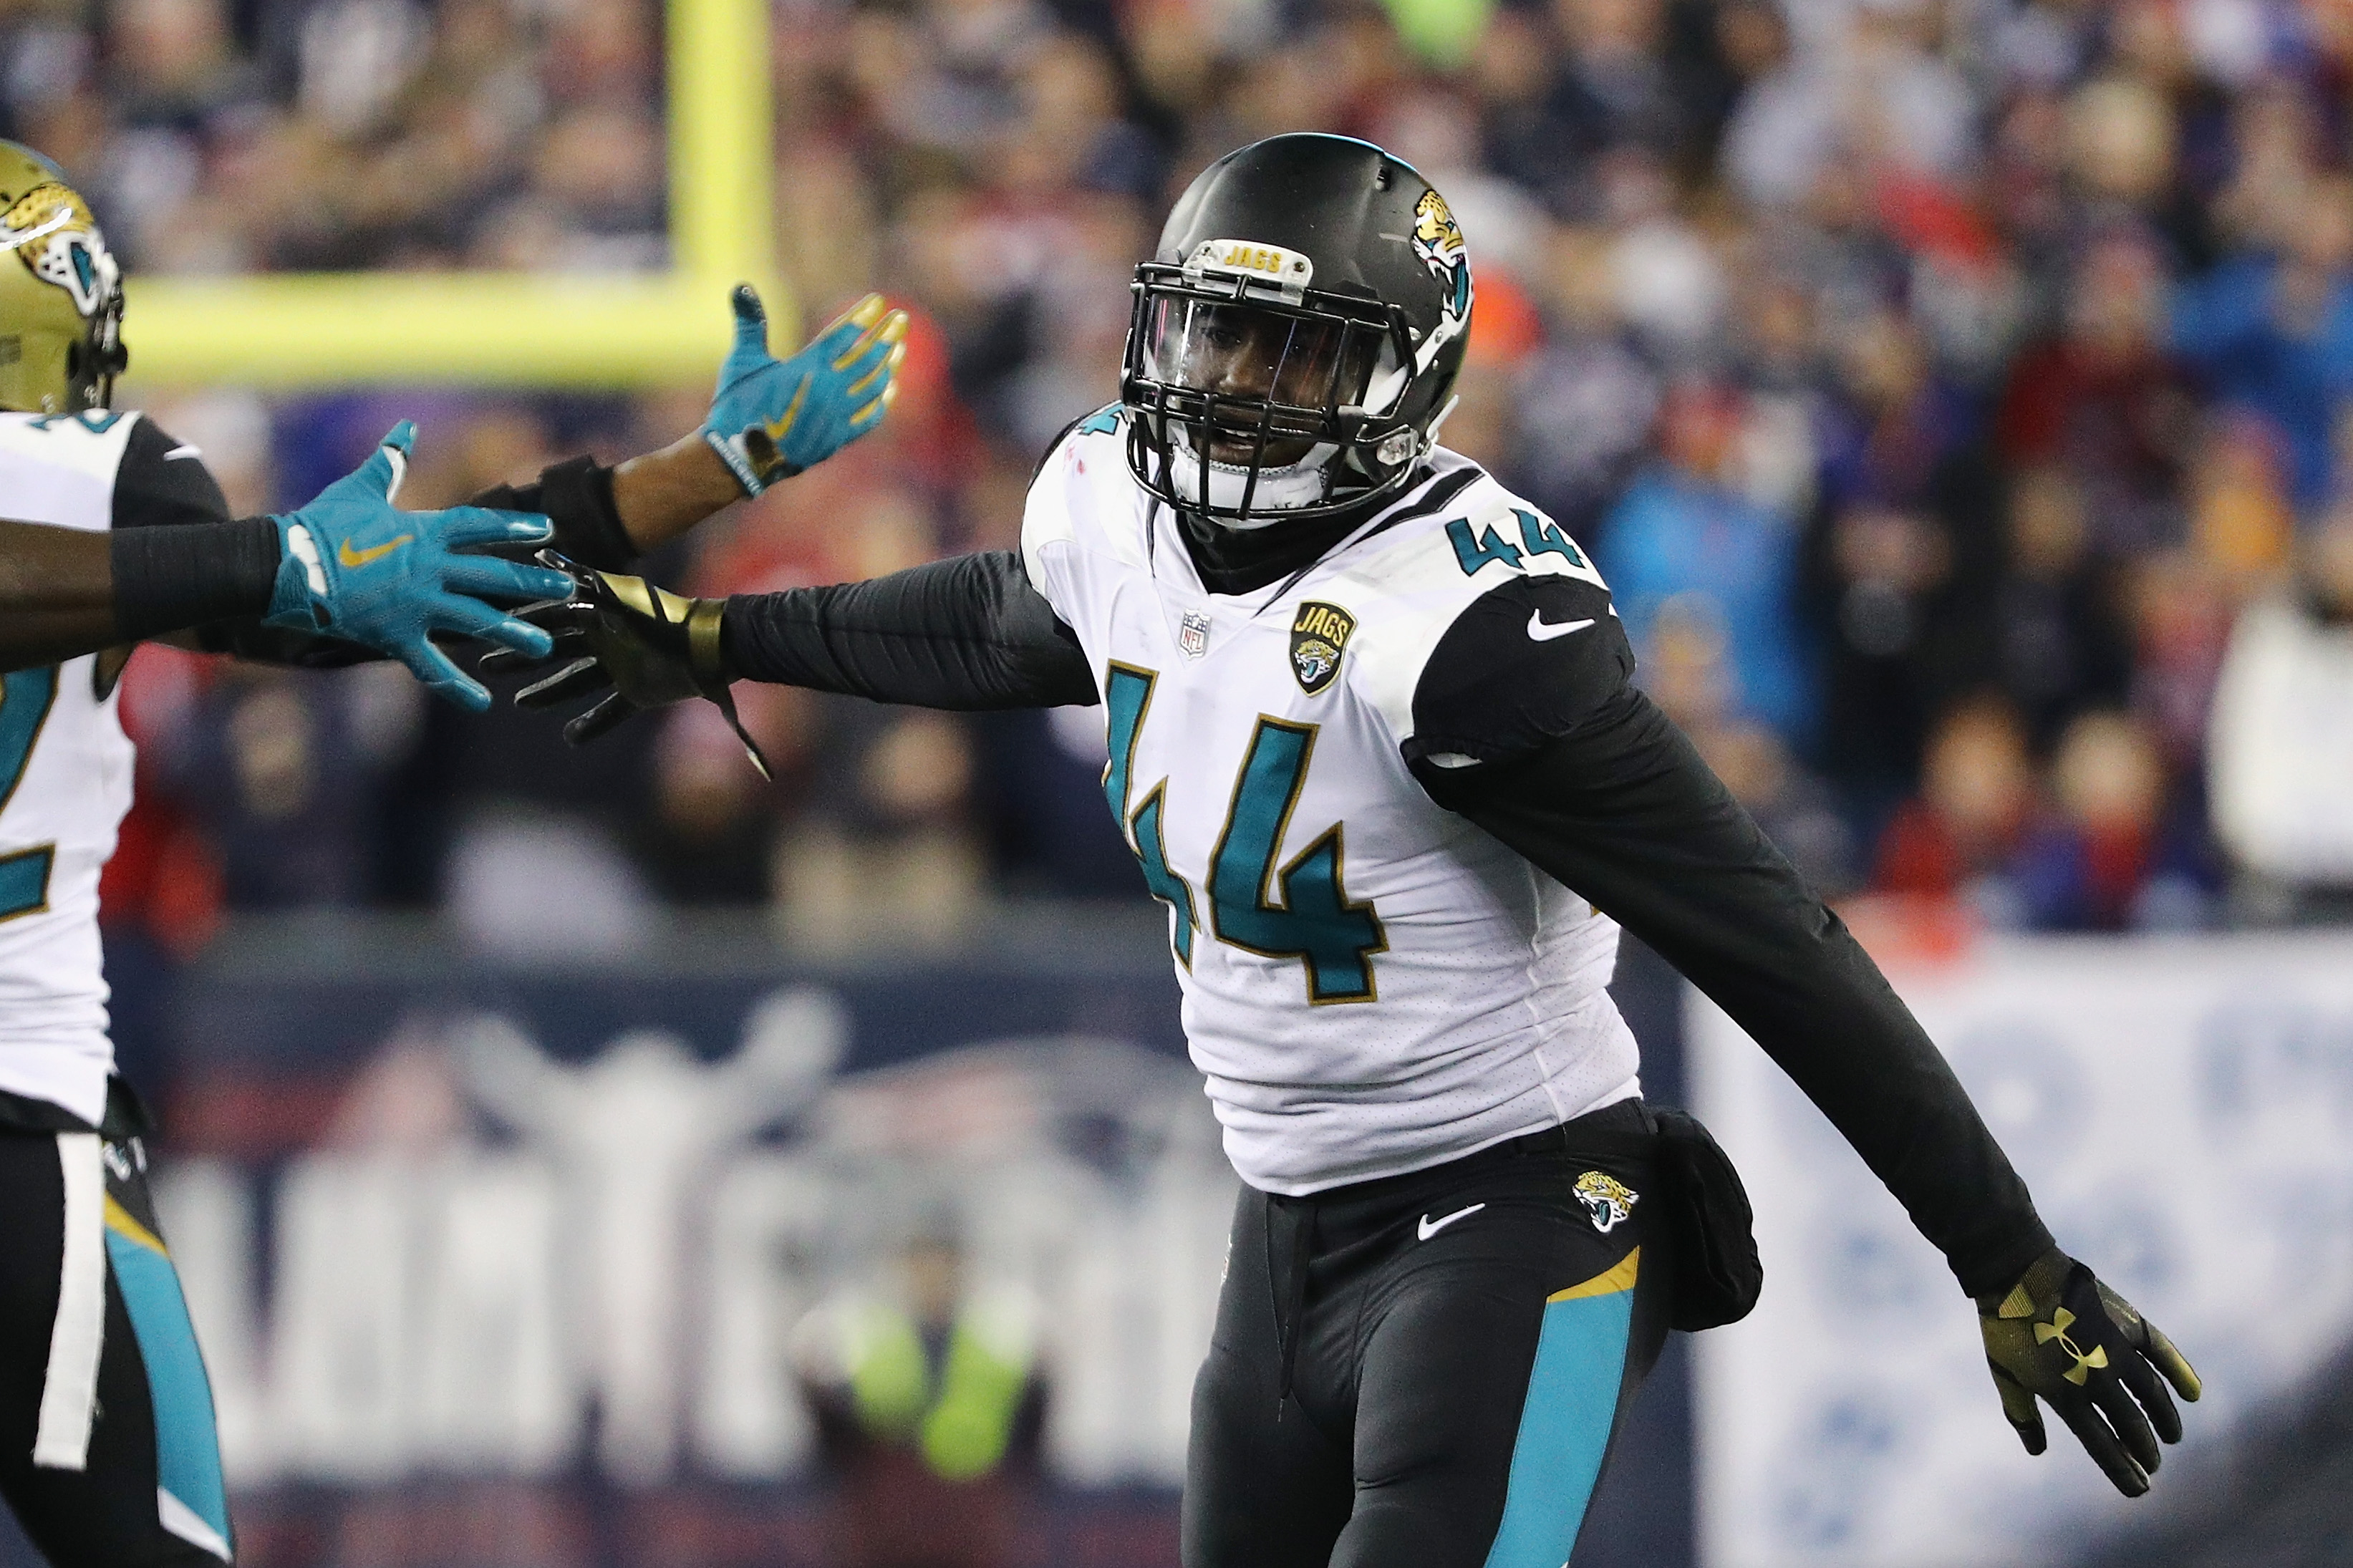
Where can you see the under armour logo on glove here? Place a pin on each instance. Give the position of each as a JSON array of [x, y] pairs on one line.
[[2056, 1329]]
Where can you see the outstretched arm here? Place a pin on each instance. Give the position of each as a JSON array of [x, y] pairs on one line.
[[770, 419], [1547, 746], [348, 566], [969, 633], [1624, 811], [966, 633], [65, 592]]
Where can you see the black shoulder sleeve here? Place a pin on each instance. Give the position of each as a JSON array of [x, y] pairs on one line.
[[1621, 808], [576, 495], [164, 583], [968, 633], [163, 481], [1526, 661]]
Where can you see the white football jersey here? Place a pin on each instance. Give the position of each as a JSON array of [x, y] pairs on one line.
[[1372, 985], [65, 783]]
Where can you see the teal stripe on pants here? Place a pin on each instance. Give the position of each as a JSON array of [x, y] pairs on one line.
[[187, 1446], [1564, 1426]]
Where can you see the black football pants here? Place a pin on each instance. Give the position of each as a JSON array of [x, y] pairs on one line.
[[1427, 1371], [108, 1454]]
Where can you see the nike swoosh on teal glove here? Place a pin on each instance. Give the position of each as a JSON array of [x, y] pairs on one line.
[[771, 418], [352, 566]]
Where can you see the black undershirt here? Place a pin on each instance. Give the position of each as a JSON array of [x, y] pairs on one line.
[[1563, 760], [1244, 559]]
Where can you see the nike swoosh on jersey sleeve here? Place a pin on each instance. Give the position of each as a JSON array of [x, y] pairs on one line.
[[1541, 630], [160, 481]]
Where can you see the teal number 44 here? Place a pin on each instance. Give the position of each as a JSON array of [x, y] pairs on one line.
[[25, 696], [1314, 922], [1537, 537]]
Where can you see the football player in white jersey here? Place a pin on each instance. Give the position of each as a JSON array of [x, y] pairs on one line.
[[1374, 741], [117, 533]]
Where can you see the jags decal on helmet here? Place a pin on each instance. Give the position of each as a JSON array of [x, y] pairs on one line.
[[50, 229]]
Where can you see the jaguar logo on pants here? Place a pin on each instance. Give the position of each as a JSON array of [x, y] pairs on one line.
[[1607, 1201]]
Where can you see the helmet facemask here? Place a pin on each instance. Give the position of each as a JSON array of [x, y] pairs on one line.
[[1254, 401]]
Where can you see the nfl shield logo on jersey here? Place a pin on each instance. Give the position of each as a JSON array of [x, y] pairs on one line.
[[1318, 638], [1193, 634]]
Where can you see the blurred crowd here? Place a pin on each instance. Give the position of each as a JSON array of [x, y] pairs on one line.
[[1957, 394]]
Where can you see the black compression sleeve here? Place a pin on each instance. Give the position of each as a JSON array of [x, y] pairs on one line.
[[1622, 810], [180, 561], [168, 579], [576, 495], [966, 633]]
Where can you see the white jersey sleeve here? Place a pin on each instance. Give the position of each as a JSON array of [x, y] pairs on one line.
[[65, 784], [1085, 471]]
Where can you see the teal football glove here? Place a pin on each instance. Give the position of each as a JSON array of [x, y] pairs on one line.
[[352, 565], [771, 418], [2062, 1336]]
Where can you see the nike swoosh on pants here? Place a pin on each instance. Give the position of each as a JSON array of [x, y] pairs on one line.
[[1429, 1227]]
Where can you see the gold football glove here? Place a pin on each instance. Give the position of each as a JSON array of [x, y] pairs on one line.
[[641, 646], [2063, 1337]]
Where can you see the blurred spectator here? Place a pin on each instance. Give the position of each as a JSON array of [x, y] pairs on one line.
[[2110, 855], [1900, 546], [2103, 400], [1587, 396], [1683, 544], [1960, 837], [2272, 329], [285, 770], [929, 1414], [2282, 745], [2060, 643]]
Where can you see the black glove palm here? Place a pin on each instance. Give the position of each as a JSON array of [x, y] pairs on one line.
[[641, 646], [2062, 1336]]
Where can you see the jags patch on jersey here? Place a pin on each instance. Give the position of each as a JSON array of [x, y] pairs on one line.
[[1607, 1201], [1318, 638]]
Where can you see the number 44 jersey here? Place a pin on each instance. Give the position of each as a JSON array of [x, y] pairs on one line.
[[1372, 985], [65, 783]]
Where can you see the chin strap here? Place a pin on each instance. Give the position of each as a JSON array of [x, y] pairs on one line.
[[1430, 432]]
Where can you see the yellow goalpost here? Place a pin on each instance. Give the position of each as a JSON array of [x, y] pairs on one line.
[[288, 330]]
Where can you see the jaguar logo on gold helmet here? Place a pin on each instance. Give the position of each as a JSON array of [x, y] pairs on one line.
[[61, 303]]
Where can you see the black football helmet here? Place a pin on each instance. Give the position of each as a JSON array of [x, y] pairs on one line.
[[1296, 336]]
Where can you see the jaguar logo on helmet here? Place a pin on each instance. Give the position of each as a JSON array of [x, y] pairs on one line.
[[53, 233], [1437, 240]]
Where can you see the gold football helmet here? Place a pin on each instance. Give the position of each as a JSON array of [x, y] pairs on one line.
[[61, 298]]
